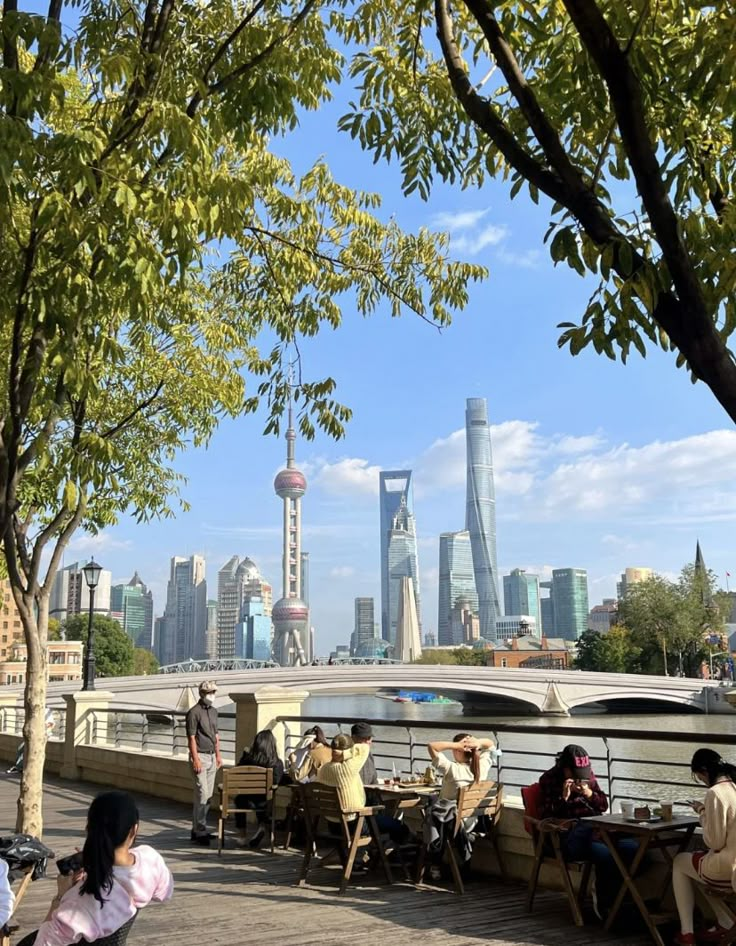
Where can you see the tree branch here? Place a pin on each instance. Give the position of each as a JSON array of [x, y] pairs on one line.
[[138, 409], [625, 92], [10, 47], [53, 16], [62, 542]]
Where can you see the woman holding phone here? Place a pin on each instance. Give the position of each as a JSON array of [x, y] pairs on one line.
[[114, 882], [716, 866]]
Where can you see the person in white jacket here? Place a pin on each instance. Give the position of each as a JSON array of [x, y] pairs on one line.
[[716, 866], [7, 898]]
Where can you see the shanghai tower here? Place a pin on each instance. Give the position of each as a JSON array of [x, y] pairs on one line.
[[480, 515]]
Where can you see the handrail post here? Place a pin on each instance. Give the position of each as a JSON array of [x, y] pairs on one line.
[[410, 731], [144, 733], [79, 709], [118, 730], [609, 772]]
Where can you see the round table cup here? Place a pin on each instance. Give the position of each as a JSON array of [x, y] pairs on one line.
[[627, 809], [666, 807]]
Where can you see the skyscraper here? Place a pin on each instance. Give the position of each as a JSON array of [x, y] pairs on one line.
[[184, 627], [521, 595], [408, 638], [398, 546], [211, 635], [480, 519], [364, 629], [547, 610], [237, 582], [70, 593], [253, 631], [570, 602], [456, 582], [292, 639], [132, 606], [632, 576]]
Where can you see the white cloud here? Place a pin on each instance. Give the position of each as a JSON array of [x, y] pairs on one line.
[[342, 571], [525, 259], [97, 544], [452, 220], [490, 235], [349, 476]]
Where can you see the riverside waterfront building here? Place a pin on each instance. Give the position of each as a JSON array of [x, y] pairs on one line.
[[456, 582], [238, 581], [292, 640], [132, 606], [364, 630], [521, 595], [398, 545], [480, 520], [183, 630], [570, 602]]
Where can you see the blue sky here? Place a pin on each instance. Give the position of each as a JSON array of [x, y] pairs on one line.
[[598, 465]]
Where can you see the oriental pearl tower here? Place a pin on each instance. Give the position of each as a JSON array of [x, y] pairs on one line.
[[290, 615]]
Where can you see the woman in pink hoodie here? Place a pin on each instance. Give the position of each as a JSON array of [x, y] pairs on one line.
[[116, 879]]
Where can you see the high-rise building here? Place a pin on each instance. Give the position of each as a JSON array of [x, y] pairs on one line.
[[457, 581], [402, 563], [211, 635], [292, 641], [398, 546], [237, 582], [603, 616], [184, 628], [480, 519], [11, 626], [521, 595], [430, 639], [70, 593], [570, 602], [132, 605], [547, 610], [632, 576], [253, 631], [408, 637], [364, 629]]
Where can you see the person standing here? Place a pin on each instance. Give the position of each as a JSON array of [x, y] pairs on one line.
[[204, 754]]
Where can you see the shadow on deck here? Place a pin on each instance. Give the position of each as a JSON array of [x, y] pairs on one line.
[[251, 896]]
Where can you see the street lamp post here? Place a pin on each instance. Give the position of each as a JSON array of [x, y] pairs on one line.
[[92, 577]]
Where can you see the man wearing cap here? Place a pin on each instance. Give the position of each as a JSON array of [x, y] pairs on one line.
[[204, 753], [363, 735]]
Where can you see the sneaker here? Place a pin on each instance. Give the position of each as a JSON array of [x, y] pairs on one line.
[[257, 838], [201, 839], [713, 935]]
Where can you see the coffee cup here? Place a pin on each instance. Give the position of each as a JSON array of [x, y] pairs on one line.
[[627, 809], [666, 807]]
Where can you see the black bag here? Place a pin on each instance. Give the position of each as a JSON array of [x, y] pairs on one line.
[[21, 851]]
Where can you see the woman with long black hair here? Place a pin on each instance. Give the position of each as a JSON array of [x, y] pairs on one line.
[[263, 753], [716, 866], [115, 881]]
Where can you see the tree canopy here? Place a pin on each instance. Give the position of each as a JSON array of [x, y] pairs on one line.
[[144, 662], [619, 116], [114, 651]]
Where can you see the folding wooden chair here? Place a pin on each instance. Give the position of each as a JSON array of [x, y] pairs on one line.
[[728, 899], [482, 800], [546, 834], [250, 780], [323, 802]]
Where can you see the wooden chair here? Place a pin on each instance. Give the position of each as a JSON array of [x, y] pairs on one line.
[[728, 899], [11, 926], [250, 780], [323, 802], [483, 800], [546, 834], [118, 938]]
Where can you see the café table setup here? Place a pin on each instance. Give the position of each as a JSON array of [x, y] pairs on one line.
[[659, 829]]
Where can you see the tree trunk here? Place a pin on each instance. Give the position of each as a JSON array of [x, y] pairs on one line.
[[30, 801]]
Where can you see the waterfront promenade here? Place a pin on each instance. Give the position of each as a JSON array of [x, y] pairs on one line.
[[252, 897]]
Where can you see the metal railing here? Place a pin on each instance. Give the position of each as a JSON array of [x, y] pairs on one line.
[[162, 732], [244, 663], [627, 763]]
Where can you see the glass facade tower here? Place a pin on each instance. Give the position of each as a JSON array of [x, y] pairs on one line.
[[521, 595], [398, 546], [132, 605], [570, 602], [480, 518], [457, 581]]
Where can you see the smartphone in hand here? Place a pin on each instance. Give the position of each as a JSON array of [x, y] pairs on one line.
[[70, 864]]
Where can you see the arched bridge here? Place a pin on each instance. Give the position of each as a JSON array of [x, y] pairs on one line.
[[553, 692]]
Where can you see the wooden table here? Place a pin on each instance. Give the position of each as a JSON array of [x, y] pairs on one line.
[[650, 835]]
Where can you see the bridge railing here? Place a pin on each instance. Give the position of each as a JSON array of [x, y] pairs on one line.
[[629, 764]]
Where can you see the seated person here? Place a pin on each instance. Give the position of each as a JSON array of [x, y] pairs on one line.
[[310, 755], [362, 734], [343, 773], [716, 866], [264, 754], [470, 763], [115, 882], [7, 898], [570, 791]]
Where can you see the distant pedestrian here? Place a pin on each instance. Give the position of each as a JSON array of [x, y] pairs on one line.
[[204, 753], [704, 671]]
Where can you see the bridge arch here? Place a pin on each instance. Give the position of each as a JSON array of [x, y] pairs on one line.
[[636, 701]]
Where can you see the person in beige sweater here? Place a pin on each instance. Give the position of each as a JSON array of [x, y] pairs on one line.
[[715, 867], [343, 773]]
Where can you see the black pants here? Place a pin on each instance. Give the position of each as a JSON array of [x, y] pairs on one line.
[[257, 803]]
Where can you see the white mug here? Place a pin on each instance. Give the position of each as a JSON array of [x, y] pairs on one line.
[[627, 809]]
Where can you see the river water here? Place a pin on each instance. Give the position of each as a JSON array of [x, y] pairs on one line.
[[639, 768]]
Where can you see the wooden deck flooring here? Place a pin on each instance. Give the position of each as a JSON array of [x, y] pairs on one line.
[[252, 897]]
